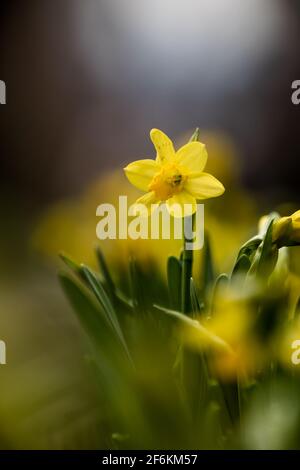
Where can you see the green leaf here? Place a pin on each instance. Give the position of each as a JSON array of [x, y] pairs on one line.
[[87, 311], [105, 272], [267, 220], [217, 342], [186, 274], [269, 254], [174, 272], [195, 381], [231, 397], [297, 308], [193, 370], [219, 286], [108, 359], [249, 248], [106, 304], [266, 256], [136, 286], [221, 282], [124, 299], [71, 264], [195, 136], [197, 305], [241, 266], [208, 272], [175, 314]]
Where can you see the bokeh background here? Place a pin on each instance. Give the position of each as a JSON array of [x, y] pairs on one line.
[[86, 81]]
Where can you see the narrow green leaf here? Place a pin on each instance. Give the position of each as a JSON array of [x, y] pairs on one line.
[[266, 256], [197, 305], [208, 273], [88, 313], [221, 282], [105, 272], [107, 351], [174, 272], [231, 398], [178, 315], [297, 308], [249, 248], [218, 290], [197, 385], [195, 382], [71, 264], [195, 136], [106, 304], [136, 286], [241, 266], [267, 220], [124, 299], [213, 339], [269, 254]]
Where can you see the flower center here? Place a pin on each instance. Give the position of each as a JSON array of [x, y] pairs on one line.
[[168, 181]]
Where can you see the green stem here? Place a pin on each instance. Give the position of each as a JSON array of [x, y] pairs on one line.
[[187, 265], [187, 257]]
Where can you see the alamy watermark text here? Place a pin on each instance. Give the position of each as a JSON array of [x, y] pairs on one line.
[[140, 222], [2, 92]]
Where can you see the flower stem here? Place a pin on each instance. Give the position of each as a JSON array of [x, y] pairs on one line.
[[187, 265], [187, 255]]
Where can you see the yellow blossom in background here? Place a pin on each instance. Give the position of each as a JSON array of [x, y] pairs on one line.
[[227, 338], [286, 230], [176, 178]]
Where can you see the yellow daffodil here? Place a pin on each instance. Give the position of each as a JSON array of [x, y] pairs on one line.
[[176, 178], [286, 230], [226, 337]]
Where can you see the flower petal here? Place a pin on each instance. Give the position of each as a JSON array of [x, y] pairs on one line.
[[181, 205], [145, 204], [163, 145], [296, 216], [193, 156], [204, 186], [141, 172]]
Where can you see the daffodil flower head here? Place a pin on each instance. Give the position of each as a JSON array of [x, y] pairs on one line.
[[174, 177]]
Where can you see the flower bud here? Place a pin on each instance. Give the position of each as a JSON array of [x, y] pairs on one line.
[[286, 230]]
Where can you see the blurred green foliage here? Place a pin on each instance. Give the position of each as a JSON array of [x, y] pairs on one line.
[[212, 372]]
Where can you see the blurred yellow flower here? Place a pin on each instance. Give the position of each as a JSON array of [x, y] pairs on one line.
[[176, 178], [286, 230], [227, 338]]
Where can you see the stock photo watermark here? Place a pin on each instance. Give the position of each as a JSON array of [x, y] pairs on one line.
[[138, 221], [2, 343], [2, 92], [296, 92], [2, 352], [295, 357]]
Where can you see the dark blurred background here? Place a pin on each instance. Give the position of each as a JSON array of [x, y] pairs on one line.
[[86, 81]]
